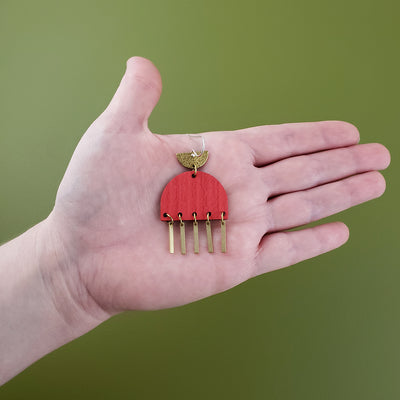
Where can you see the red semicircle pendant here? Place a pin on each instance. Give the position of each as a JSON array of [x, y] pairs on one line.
[[194, 196]]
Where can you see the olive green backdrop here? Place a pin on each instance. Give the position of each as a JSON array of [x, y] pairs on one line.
[[327, 328]]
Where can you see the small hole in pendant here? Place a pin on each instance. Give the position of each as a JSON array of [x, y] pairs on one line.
[[193, 175], [165, 215]]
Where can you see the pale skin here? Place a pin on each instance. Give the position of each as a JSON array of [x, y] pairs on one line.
[[103, 248]]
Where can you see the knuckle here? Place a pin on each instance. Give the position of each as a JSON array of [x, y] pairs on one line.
[[290, 141], [284, 243], [313, 169], [307, 209]]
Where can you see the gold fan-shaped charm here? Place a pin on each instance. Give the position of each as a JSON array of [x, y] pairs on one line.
[[192, 160]]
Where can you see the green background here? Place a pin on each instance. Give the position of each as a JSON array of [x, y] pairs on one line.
[[327, 328]]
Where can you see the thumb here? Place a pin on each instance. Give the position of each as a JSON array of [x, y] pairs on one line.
[[136, 96]]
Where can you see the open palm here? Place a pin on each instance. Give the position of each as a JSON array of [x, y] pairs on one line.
[[276, 177]]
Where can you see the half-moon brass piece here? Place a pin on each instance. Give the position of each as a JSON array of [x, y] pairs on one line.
[[190, 161]]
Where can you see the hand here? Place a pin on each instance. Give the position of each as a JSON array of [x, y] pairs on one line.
[[105, 226]]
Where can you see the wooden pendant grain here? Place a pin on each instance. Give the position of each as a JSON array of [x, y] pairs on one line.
[[188, 193]]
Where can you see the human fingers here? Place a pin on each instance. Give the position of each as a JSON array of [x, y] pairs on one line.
[[300, 208], [135, 98], [271, 143], [307, 171], [281, 249]]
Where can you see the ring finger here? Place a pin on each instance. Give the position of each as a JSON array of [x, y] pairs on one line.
[[299, 208]]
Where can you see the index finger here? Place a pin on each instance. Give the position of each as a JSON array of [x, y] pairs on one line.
[[271, 143]]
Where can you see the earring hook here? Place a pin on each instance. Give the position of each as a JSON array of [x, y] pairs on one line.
[[203, 147]]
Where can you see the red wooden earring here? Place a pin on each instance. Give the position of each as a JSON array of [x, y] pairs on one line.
[[194, 196]]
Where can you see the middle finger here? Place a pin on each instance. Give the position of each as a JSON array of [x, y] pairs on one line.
[[307, 171]]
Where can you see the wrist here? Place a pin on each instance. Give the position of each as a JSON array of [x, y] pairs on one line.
[[40, 309], [60, 271]]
